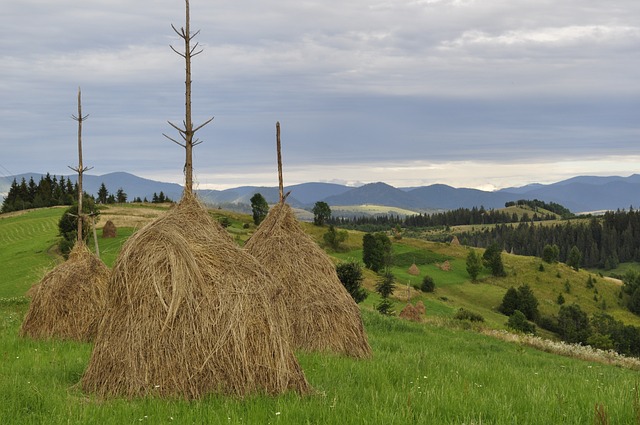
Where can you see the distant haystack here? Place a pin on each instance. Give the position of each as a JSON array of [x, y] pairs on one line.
[[455, 241], [187, 315], [109, 230], [413, 270], [409, 312], [445, 267], [420, 308], [324, 317], [69, 300]]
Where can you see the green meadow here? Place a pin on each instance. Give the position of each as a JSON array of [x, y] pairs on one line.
[[438, 372]]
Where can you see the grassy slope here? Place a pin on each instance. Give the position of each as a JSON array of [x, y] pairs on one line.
[[419, 374], [25, 240]]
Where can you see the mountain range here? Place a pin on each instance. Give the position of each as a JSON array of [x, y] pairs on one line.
[[579, 194]]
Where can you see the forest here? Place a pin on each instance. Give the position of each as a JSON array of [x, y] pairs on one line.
[[603, 242], [48, 192]]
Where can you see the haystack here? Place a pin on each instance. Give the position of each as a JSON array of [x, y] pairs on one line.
[[187, 315], [409, 312], [69, 300], [324, 317], [109, 230], [455, 241], [413, 270]]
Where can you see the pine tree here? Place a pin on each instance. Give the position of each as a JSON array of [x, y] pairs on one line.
[[103, 194]]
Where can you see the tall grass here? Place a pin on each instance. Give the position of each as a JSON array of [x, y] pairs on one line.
[[419, 374]]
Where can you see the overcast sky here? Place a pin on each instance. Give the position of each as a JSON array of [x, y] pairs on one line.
[[470, 93]]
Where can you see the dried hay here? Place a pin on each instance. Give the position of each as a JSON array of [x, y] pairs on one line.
[[455, 241], [445, 267], [324, 317], [69, 300], [109, 230], [420, 307], [187, 315], [409, 312], [413, 270]]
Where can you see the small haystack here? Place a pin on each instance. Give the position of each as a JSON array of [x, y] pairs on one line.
[[420, 308], [109, 230], [414, 270], [324, 317], [445, 267], [69, 300], [455, 241], [409, 312], [187, 315]]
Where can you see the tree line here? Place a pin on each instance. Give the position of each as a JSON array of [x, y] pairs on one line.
[[457, 217], [601, 242], [53, 191], [48, 192]]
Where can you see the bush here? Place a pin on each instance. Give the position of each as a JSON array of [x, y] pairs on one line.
[[548, 323], [573, 324], [463, 314], [521, 299], [428, 284], [350, 274], [518, 322]]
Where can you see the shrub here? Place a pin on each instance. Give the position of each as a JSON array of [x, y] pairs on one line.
[[548, 323], [518, 322], [350, 274], [573, 324], [521, 299], [463, 314], [428, 284]]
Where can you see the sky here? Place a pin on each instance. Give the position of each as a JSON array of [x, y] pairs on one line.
[[471, 93]]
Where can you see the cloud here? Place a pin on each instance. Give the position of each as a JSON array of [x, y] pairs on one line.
[[355, 84]]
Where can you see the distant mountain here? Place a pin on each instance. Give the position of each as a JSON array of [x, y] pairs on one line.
[[376, 194], [585, 197], [579, 194], [303, 195]]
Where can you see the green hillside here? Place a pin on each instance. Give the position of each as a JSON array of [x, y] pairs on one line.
[[26, 239], [439, 372]]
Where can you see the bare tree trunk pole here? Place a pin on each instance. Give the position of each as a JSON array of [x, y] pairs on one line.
[[279, 152], [188, 124], [95, 235], [81, 168], [188, 131]]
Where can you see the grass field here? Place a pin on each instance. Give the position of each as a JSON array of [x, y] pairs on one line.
[[420, 373], [25, 241]]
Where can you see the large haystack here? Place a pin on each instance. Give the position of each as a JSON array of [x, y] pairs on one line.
[[69, 300], [324, 317], [187, 315]]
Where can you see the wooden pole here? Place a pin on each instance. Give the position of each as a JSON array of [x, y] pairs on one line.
[[80, 169], [279, 152], [188, 131], [95, 235]]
